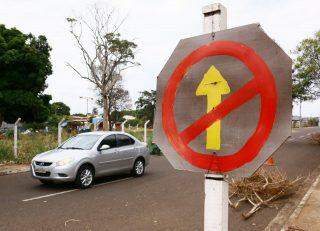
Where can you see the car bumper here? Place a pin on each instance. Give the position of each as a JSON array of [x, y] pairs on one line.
[[54, 173]]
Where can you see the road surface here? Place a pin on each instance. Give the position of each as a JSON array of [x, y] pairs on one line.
[[163, 199]]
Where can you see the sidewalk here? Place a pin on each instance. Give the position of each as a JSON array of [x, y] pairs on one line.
[[6, 169], [307, 214]]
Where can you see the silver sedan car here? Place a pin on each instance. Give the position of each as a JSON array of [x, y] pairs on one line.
[[87, 155]]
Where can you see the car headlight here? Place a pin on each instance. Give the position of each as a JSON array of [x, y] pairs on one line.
[[64, 161]]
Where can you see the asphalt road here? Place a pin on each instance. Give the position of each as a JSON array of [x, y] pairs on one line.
[[163, 199]]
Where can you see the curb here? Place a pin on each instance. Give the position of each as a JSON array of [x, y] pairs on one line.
[[300, 206], [293, 207], [13, 170]]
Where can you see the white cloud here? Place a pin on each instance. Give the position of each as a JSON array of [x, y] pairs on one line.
[[156, 26]]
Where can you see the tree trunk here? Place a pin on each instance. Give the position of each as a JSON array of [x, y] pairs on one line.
[[105, 113], [109, 114]]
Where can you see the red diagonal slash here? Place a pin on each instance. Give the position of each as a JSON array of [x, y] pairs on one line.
[[247, 92], [262, 84]]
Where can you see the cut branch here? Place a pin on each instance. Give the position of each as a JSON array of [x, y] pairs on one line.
[[261, 189]]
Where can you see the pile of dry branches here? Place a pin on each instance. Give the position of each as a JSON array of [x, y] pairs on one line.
[[316, 137], [261, 189]]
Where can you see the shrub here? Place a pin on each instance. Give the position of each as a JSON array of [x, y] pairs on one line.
[[139, 134]]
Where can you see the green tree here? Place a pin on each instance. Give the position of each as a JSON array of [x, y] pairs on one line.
[[306, 77], [146, 105], [59, 108], [24, 68]]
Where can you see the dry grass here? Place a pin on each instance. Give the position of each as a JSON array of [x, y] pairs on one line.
[[261, 189], [28, 147]]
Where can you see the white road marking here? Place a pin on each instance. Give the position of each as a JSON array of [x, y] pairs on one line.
[[49, 195], [72, 190]]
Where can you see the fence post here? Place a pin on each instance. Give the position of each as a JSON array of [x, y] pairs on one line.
[[122, 125], [60, 131], [145, 131], [15, 138]]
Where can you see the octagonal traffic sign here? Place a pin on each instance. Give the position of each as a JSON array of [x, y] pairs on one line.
[[224, 102]]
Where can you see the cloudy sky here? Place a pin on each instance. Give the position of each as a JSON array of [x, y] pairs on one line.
[[156, 26]]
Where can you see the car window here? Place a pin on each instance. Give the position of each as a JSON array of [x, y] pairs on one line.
[[109, 140], [123, 140], [84, 142]]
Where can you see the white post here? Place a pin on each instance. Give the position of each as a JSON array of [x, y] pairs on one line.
[[15, 138], [122, 125], [215, 18], [145, 131], [216, 188], [60, 131], [216, 203], [137, 127]]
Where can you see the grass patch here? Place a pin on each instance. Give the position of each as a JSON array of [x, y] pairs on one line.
[[28, 147]]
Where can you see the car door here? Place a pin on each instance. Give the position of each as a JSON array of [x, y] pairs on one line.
[[107, 158], [126, 151]]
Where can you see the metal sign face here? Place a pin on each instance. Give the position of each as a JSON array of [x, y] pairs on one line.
[[224, 104]]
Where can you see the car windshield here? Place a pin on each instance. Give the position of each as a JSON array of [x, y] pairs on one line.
[[81, 142]]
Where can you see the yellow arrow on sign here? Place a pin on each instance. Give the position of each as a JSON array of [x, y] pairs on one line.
[[213, 85]]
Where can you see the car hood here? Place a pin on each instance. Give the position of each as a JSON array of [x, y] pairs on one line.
[[59, 154]]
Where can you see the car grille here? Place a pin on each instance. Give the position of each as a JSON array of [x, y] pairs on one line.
[[39, 163], [44, 174]]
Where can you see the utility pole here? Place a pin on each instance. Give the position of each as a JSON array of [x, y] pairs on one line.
[[216, 188], [87, 99]]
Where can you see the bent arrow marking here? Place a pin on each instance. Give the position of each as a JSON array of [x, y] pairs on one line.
[[213, 85]]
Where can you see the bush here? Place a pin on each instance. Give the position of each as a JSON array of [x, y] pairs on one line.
[[153, 148], [313, 122], [139, 134]]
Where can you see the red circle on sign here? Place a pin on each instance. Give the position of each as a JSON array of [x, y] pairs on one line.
[[262, 84]]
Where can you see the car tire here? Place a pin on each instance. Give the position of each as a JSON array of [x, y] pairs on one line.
[[46, 182], [85, 177], [138, 168]]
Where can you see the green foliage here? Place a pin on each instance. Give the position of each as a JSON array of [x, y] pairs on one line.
[[120, 47], [135, 122], [146, 105], [306, 78], [139, 134], [24, 67], [60, 109], [314, 121], [153, 148]]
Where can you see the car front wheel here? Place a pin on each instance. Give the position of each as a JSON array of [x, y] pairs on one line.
[[85, 177], [138, 168]]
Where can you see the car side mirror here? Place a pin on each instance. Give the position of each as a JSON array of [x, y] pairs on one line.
[[104, 147]]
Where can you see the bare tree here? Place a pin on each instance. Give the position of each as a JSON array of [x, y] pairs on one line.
[[106, 56], [118, 99]]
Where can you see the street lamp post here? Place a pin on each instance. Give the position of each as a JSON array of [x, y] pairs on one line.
[[87, 99]]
